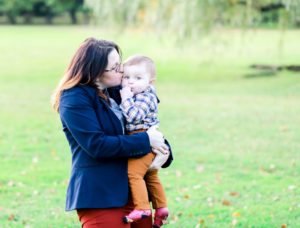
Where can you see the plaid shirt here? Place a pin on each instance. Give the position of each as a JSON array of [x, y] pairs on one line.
[[140, 111]]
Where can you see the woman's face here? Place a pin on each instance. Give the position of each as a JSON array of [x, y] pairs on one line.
[[113, 72]]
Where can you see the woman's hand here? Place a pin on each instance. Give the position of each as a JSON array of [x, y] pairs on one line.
[[157, 141], [159, 160], [164, 150]]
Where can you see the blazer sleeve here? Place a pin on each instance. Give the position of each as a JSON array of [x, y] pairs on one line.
[[170, 158], [78, 114]]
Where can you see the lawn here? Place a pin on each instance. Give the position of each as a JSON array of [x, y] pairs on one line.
[[235, 132]]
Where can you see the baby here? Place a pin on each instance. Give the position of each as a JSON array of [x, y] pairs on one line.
[[139, 107]]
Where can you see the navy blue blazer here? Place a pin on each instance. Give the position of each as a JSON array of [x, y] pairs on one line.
[[99, 150]]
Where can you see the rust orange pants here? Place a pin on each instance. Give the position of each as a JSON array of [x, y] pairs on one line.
[[142, 181], [110, 218]]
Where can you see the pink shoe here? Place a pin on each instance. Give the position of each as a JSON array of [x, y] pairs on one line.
[[160, 218], [136, 215]]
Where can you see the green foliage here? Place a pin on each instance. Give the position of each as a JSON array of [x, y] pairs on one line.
[[13, 8], [173, 17], [195, 17], [235, 139], [47, 8]]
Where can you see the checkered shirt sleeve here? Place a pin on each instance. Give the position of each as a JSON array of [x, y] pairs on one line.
[[136, 109]]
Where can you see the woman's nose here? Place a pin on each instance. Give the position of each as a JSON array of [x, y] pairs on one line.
[[121, 69]]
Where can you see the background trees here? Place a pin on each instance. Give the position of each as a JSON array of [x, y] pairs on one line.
[[185, 18], [194, 16], [27, 9], [177, 14]]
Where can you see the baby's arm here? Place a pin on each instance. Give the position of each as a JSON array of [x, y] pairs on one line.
[[136, 110]]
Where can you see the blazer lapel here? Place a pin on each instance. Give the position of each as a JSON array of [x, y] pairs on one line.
[[114, 119]]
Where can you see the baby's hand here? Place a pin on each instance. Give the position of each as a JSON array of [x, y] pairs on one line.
[[126, 93]]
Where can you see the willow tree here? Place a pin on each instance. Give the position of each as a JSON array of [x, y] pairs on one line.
[[190, 18]]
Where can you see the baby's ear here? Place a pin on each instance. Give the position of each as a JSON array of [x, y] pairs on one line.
[[152, 81]]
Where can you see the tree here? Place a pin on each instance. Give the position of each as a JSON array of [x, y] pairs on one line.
[[191, 18], [46, 8], [13, 8], [74, 7]]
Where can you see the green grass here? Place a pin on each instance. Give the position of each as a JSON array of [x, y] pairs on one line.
[[230, 133]]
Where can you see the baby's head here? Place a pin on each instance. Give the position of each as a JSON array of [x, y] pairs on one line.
[[139, 73]]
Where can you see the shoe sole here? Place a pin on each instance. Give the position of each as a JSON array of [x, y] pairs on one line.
[[162, 221], [127, 220]]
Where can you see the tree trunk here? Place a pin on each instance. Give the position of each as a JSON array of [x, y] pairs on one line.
[[73, 16], [11, 17], [28, 18], [49, 18]]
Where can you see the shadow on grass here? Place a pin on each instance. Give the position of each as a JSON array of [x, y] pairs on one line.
[[260, 74], [270, 70]]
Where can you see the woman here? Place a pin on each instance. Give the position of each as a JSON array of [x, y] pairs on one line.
[[98, 187]]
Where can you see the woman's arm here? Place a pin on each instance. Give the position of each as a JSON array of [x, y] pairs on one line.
[[78, 114]]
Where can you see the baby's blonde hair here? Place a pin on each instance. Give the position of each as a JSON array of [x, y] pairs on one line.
[[140, 59]]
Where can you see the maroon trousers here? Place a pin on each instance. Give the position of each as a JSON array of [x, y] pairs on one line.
[[110, 218]]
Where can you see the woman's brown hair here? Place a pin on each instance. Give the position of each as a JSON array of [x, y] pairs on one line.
[[86, 66]]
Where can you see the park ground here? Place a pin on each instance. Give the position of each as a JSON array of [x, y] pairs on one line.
[[235, 131]]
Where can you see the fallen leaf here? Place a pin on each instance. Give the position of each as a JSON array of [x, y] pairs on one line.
[[236, 214], [178, 173], [200, 168], [269, 170], [197, 186], [283, 226], [226, 202], [178, 199], [179, 214], [174, 218], [211, 216], [291, 187], [210, 202], [11, 217], [53, 153], [209, 199], [201, 221], [184, 189], [35, 160], [234, 194], [284, 128], [293, 163], [186, 196], [218, 178], [234, 222], [66, 182], [272, 166]]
